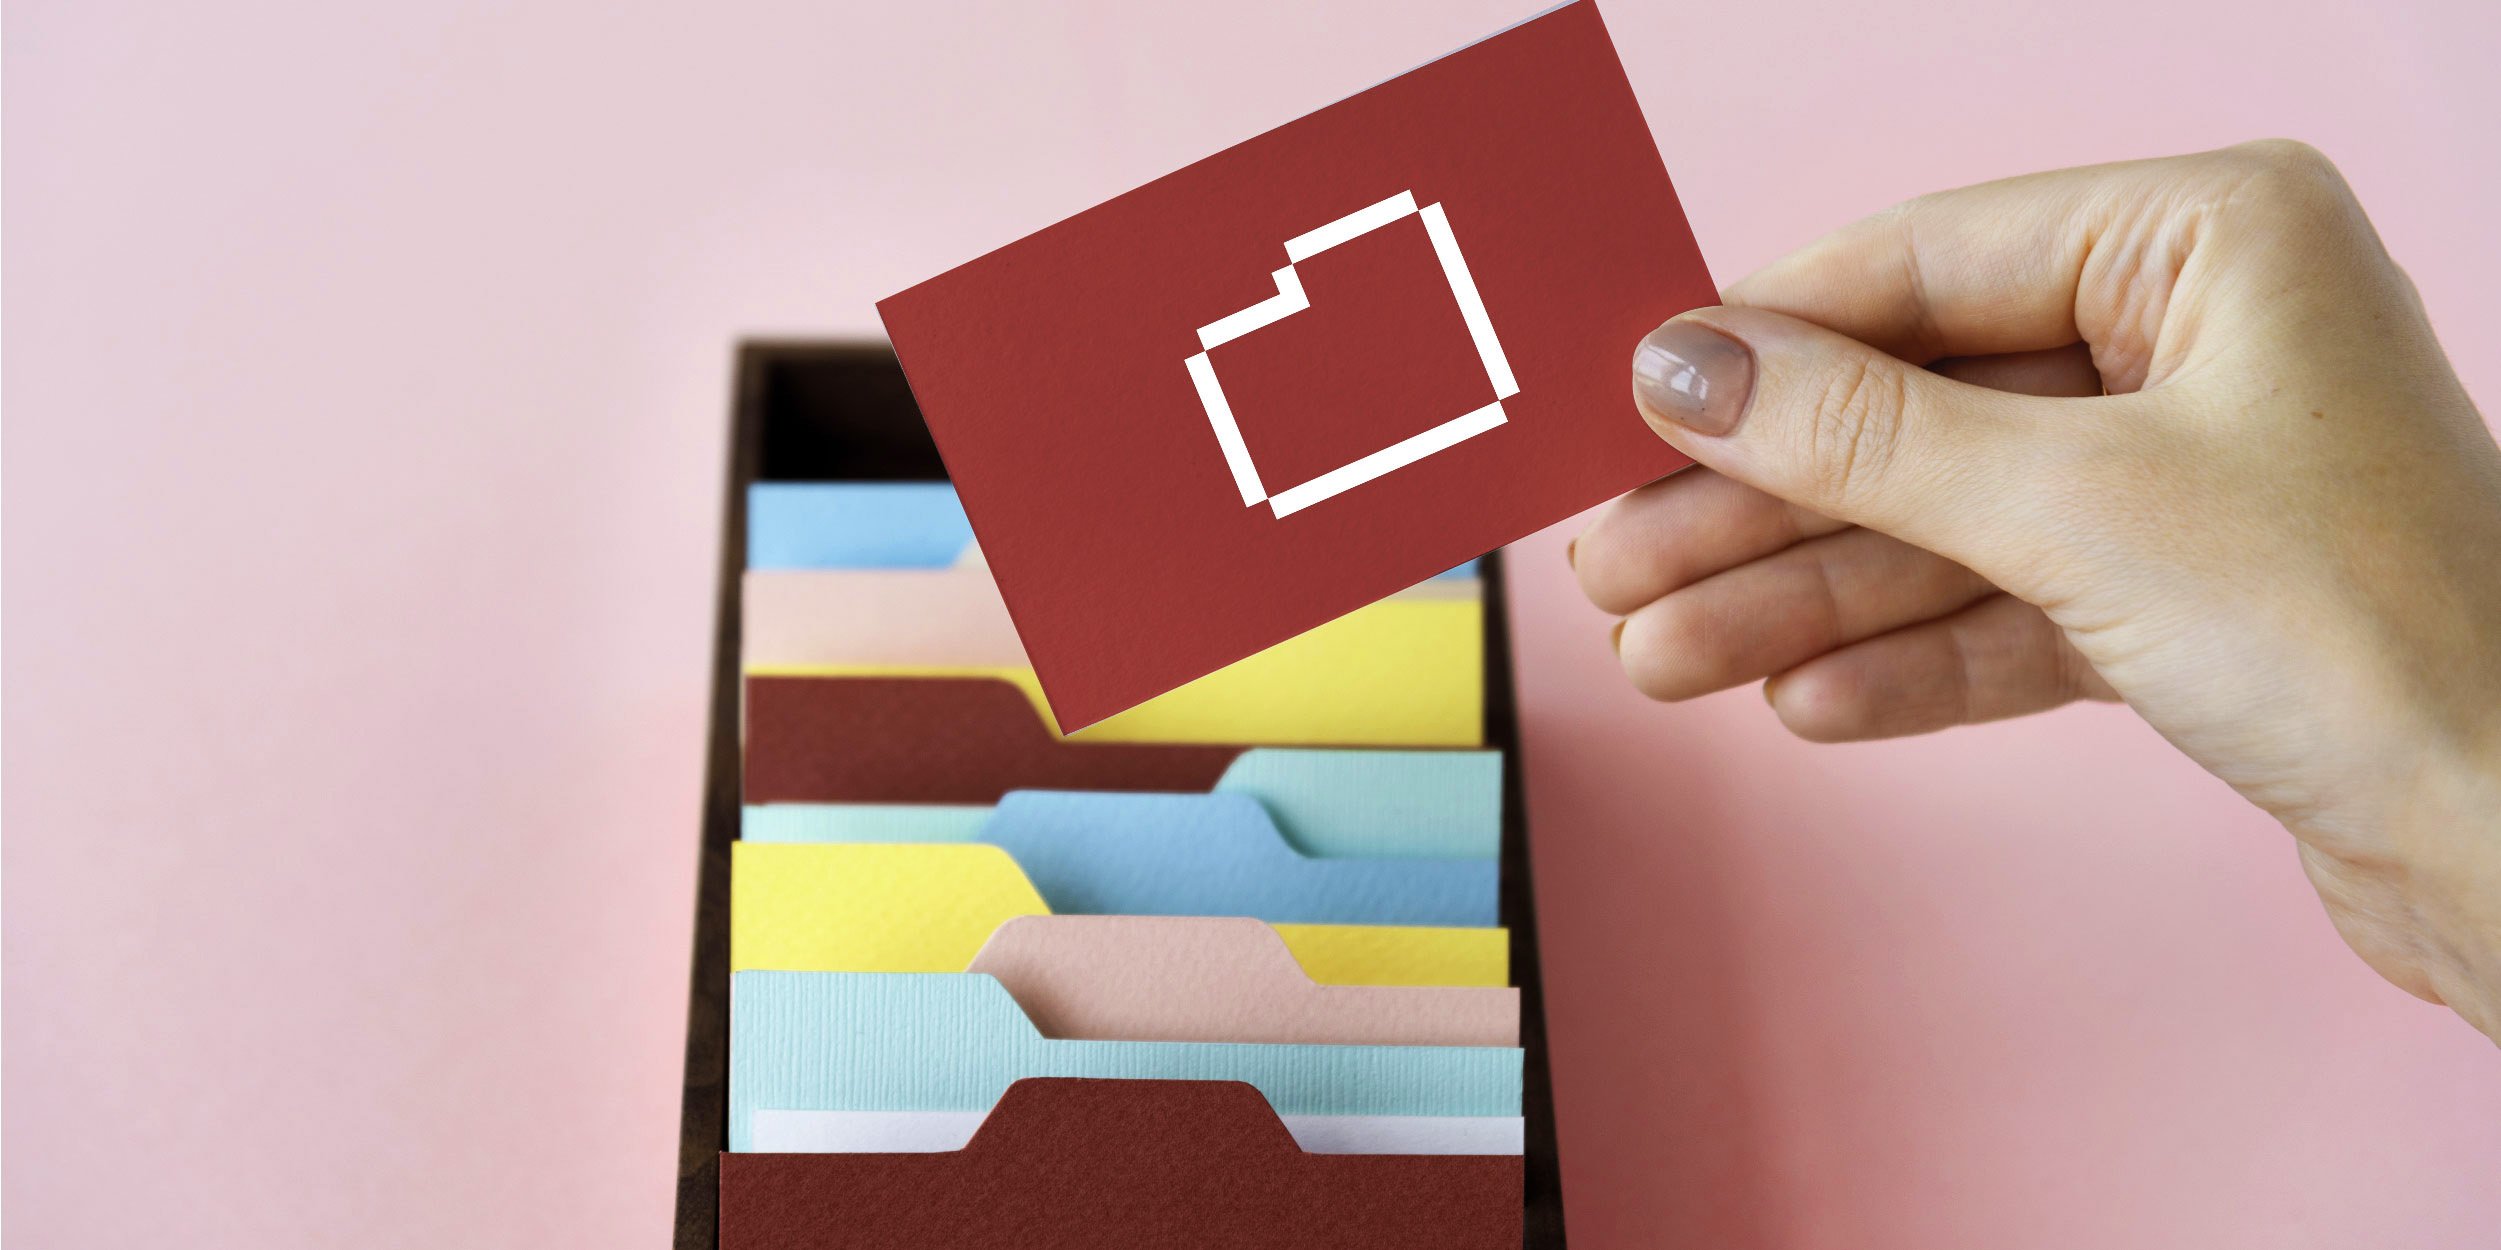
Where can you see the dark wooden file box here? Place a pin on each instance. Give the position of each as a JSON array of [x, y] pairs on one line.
[[841, 412]]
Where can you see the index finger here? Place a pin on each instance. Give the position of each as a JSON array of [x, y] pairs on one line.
[[2018, 265]]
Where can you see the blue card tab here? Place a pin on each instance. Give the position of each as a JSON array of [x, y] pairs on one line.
[[1358, 804], [855, 525], [1106, 854], [861, 1041], [868, 525]]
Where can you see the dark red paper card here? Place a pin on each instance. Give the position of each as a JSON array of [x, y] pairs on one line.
[[937, 740], [1315, 368], [1122, 1165]]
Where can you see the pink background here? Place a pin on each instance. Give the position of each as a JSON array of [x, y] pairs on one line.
[[366, 388]]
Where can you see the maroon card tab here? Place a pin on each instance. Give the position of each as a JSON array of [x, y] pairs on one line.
[[937, 740], [1315, 368], [1111, 1165]]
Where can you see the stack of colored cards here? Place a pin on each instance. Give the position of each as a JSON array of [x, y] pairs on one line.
[[1223, 969]]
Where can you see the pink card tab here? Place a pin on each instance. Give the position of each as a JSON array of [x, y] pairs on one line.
[[1218, 979], [1317, 367]]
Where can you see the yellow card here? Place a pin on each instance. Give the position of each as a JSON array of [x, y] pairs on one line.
[[912, 907]]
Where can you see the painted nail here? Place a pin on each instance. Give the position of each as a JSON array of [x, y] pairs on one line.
[[1694, 376]]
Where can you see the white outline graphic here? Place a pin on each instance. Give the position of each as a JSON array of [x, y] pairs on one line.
[[1289, 300]]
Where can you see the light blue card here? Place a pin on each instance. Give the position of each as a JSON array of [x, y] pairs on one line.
[[869, 1041], [867, 525], [854, 525], [1104, 854], [1357, 804]]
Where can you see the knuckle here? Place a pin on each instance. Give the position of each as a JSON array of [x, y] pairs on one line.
[[2285, 174], [1856, 429], [2289, 160]]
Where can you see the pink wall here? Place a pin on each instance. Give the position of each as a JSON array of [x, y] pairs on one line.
[[366, 396]]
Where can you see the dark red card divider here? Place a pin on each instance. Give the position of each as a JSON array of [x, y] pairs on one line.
[[923, 741], [1083, 1165], [841, 412]]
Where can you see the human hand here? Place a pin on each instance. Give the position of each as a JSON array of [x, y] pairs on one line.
[[2183, 438]]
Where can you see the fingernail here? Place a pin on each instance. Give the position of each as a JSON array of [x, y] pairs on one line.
[[1693, 375], [1571, 553]]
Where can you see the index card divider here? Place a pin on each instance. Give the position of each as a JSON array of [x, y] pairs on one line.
[[1107, 1163]]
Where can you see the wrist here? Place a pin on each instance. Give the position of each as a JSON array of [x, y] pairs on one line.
[[2445, 829]]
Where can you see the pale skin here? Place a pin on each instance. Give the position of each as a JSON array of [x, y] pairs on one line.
[[2171, 432]]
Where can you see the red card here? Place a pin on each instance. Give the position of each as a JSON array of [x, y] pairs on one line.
[[1315, 368], [1114, 1165], [937, 740]]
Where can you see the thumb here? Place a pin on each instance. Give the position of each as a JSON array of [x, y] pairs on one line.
[[1835, 426]]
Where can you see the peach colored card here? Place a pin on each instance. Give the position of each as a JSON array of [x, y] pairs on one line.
[[1220, 979]]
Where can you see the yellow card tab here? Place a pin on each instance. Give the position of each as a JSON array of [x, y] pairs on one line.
[[1353, 954], [917, 907], [1401, 672], [869, 907]]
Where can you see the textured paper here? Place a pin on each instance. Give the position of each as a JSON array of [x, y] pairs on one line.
[[1388, 804], [799, 621], [1428, 804], [919, 908], [1114, 1165], [1401, 672], [1285, 381], [1209, 855], [1217, 979], [844, 1041], [1359, 954], [923, 1132], [940, 740], [875, 525], [932, 740], [1405, 671], [870, 908]]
